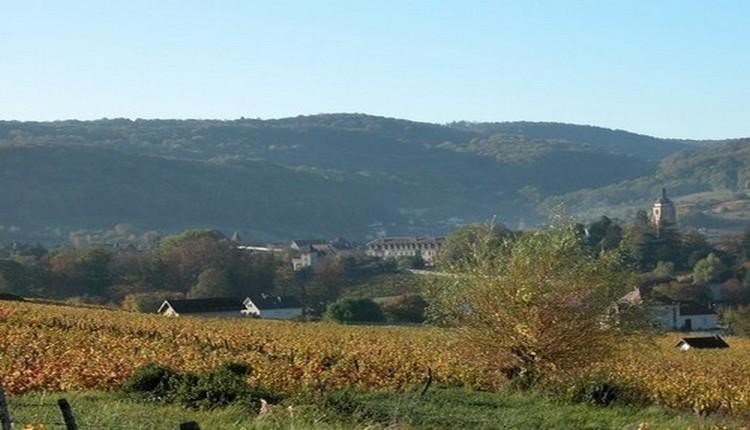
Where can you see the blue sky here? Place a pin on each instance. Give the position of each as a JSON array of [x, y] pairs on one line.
[[665, 68]]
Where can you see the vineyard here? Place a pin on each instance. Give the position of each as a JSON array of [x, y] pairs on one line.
[[47, 347], [60, 348]]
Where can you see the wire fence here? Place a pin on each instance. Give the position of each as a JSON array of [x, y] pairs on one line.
[[55, 415]]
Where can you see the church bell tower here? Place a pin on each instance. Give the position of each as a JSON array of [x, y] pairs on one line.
[[663, 211]]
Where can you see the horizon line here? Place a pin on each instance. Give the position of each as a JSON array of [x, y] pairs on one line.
[[436, 123]]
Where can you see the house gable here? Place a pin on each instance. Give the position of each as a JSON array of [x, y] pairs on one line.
[[273, 307]]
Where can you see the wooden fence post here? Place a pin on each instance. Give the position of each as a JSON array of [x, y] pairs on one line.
[[190, 425], [5, 421], [67, 413], [427, 383]]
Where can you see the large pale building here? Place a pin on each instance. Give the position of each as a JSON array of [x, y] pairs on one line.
[[663, 210], [406, 246]]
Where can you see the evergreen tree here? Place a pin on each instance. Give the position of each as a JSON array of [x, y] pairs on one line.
[[746, 244], [604, 234], [639, 242]]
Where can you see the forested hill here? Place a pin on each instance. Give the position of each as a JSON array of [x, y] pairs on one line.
[[711, 187], [617, 141], [321, 175]]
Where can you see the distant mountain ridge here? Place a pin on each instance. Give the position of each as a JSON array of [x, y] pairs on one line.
[[706, 177], [321, 175]]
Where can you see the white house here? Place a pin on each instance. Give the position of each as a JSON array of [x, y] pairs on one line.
[[273, 307], [675, 314], [686, 316], [310, 253], [263, 306], [309, 259]]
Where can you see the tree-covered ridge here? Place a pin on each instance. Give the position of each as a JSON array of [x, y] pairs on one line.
[[73, 187], [707, 177], [333, 174], [604, 139]]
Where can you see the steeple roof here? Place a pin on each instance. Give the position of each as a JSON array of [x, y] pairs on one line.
[[664, 199]]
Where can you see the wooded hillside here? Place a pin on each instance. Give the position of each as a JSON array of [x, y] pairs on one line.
[[323, 175]]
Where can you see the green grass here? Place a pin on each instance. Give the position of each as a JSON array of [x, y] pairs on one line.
[[447, 409], [100, 410], [438, 409]]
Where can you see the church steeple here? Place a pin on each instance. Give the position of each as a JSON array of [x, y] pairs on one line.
[[663, 210]]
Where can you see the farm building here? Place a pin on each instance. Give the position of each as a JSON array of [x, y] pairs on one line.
[[263, 306], [674, 314], [218, 307], [273, 307], [706, 342]]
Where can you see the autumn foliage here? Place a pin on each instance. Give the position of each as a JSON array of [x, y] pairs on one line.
[[46, 347]]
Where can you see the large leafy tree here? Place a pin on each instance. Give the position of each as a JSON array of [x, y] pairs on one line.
[[536, 304], [211, 283], [463, 243], [709, 269], [694, 247], [80, 272], [188, 254], [351, 310]]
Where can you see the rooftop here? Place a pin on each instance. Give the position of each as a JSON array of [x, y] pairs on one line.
[[663, 199], [704, 342], [407, 239], [265, 301], [309, 242], [194, 306], [692, 308]]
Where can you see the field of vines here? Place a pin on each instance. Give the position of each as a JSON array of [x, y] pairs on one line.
[[47, 347], [50, 347]]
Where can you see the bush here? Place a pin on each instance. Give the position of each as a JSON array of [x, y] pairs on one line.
[[408, 309], [153, 382], [604, 392], [354, 310], [350, 403], [212, 390], [411, 262], [220, 387]]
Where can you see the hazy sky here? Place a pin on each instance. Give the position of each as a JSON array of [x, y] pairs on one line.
[[667, 68]]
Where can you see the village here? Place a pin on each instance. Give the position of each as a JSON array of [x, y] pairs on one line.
[[667, 295], [320, 285]]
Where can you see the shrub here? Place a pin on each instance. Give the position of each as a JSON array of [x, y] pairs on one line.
[[153, 382], [604, 392], [240, 369], [350, 310], [220, 387], [349, 402], [411, 262], [212, 390], [409, 309]]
